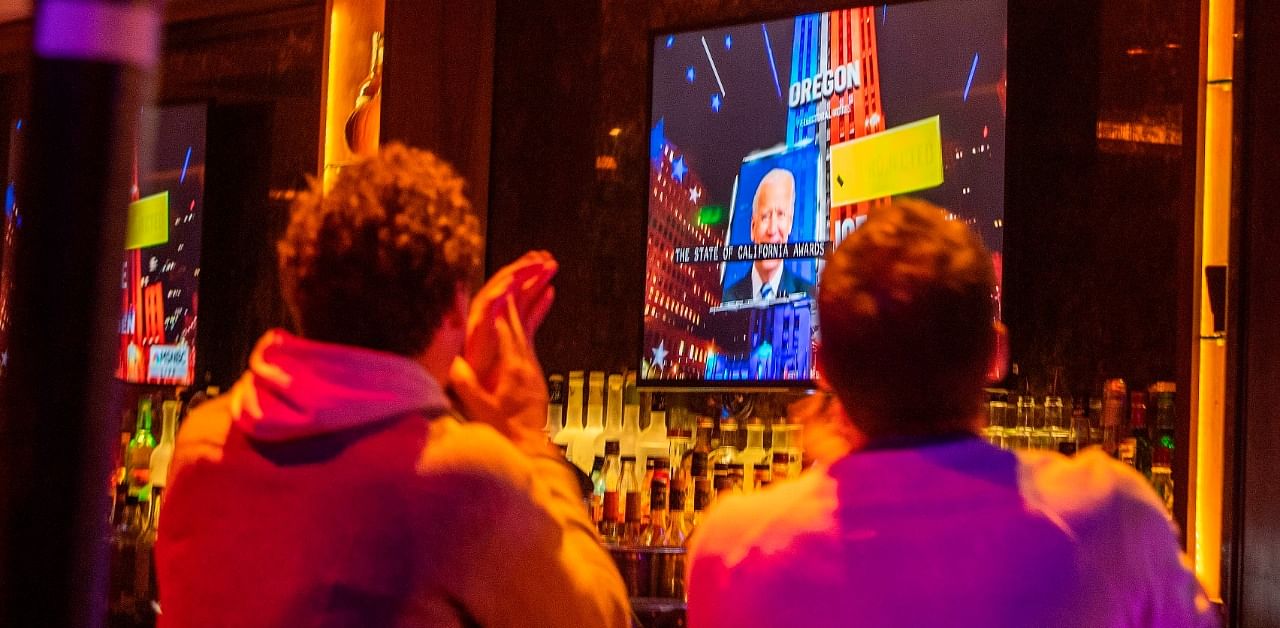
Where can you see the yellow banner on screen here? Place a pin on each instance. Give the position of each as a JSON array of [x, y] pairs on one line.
[[894, 161], [148, 222]]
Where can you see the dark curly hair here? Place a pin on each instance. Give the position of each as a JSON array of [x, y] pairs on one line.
[[907, 320], [376, 261]]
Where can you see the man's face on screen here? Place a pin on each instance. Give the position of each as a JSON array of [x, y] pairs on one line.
[[771, 218]]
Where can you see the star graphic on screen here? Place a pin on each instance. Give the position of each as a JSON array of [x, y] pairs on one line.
[[678, 169], [660, 355], [715, 103], [728, 42], [688, 74], [695, 194]]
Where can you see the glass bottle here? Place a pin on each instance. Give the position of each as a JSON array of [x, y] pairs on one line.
[[630, 437], [781, 465], [737, 477], [721, 481], [124, 604], [1135, 447], [362, 125], [659, 526], [629, 490], [573, 420], [1113, 394], [138, 453], [1162, 399], [584, 446], [1024, 423], [701, 491], [727, 452], [1054, 422], [611, 477], [681, 523], [162, 455], [595, 504], [613, 418], [652, 441], [555, 407]]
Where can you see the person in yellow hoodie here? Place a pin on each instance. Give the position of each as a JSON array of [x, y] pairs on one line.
[[384, 465]]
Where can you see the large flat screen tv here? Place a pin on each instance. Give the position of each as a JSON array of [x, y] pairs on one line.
[[771, 141], [160, 274]]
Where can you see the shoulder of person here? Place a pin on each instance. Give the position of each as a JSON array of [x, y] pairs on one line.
[[1090, 487], [474, 456], [770, 520]]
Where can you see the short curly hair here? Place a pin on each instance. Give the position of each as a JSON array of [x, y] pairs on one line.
[[907, 320], [376, 261]]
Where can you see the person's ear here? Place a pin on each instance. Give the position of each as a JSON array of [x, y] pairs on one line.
[[999, 364]]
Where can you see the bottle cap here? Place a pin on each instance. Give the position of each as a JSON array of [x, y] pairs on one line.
[[628, 458], [1164, 387], [612, 448]]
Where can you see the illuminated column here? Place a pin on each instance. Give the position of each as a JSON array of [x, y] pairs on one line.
[[91, 75]]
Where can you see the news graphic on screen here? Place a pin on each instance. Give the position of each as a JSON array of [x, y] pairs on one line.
[[160, 276], [10, 225], [770, 142]]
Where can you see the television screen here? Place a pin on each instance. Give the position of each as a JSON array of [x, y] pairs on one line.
[[10, 225], [160, 276], [770, 142]]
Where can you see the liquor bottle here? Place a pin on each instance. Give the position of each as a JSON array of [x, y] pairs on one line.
[[124, 605], [781, 465], [595, 503], [584, 444], [701, 491], [727, 452], [555, 407], [720, 480], [1135, 448], [762, 475], [630, 438], [659, 527], [573, 419], [162, 455], [754, 453], [138, 453], [611, 476], [613, 419], [362, 124], [701, 445], [1077, 431], [1162, 398], [737, 477], [1113, 394], [681, 524], [646, 478], [629, 490], [652, 442]]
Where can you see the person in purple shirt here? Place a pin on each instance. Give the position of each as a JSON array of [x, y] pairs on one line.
[[909, 518]]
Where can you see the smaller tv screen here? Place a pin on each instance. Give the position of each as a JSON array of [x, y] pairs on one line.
[[770, 142], [160, 275]]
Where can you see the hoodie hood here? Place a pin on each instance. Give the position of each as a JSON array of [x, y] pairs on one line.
[[296, 388]]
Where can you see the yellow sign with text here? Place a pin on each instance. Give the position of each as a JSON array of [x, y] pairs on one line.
[[148, 222], [894, 161]]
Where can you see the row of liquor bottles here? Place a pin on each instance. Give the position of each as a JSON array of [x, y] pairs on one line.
[[138, 484], [666, 429], [1024, 421]]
